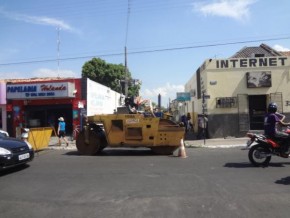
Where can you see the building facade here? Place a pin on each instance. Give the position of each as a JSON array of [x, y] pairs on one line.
[[234, 92], [3, 113], [39, 102]]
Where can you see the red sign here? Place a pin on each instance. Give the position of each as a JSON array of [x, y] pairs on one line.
[[9, 107]]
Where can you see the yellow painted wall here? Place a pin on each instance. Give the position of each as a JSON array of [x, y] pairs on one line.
[[232, 81]]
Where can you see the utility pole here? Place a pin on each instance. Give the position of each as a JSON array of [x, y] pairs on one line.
[[159, 102], [126, 74], [203, 115], [58, 44], [204, 109]]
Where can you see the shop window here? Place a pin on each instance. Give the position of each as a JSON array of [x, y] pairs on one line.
[[226, 102]]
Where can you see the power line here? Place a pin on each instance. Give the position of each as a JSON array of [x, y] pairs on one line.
[[88, 8], [209, 45], [147, 51], [127, 23]]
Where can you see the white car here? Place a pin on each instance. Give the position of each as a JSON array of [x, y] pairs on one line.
[[4, 133]]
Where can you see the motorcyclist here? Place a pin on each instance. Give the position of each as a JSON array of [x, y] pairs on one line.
[[271, 122]]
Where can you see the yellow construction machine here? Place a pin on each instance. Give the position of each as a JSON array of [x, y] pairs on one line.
[[127, 129]]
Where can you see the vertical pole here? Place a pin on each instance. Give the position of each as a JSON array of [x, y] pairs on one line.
[[203, 114], [126, 74], [81, 123], [159, 101], [58, 43], [204, 130]]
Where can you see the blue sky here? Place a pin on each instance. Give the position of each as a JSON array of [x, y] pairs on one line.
[[166, 40]]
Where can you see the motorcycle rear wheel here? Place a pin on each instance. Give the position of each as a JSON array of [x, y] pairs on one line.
[[258, 155]]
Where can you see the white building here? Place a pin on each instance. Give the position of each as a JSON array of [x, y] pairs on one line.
[[237, 90]]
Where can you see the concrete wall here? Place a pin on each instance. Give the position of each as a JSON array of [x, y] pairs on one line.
[[224, 125], [227, 125]]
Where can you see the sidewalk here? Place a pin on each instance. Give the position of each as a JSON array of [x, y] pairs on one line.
[[53, 144], [217, 143], [189, 142]]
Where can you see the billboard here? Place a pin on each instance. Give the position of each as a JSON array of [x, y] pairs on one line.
[[40, 90], [183, 96], [101, 99], [259, 79]]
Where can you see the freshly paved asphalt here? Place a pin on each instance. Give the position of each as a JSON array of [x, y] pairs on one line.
[[125, 183]]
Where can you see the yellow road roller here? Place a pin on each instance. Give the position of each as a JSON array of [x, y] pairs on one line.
[[127, 130]]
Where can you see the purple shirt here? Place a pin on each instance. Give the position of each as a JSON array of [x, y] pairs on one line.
[[270, 122]]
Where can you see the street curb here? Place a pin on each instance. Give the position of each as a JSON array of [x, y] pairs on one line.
[[214, 146], [216, 143], [209, 143]]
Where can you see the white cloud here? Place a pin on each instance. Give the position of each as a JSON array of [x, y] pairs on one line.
[[44, 72], [167, 91], [6, 53], [40, 20], [39, 73], [236, 9], [12, 75], [280, 48]]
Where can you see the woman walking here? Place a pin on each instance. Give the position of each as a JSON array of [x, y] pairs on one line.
[[61, 131]]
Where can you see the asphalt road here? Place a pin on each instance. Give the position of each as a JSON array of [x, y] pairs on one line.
[[210, 182]]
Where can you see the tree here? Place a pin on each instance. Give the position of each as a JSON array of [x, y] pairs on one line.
[[110, 75]]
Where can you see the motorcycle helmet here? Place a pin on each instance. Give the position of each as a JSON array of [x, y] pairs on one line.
[[272, 108]]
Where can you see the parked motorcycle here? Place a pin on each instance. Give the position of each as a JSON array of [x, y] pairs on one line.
[[261, 149]]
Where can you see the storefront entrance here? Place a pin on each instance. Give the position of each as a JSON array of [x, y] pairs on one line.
[[47, 116], [257, 110]]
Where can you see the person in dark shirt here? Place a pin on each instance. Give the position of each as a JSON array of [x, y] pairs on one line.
[[271, 121], [184, 122]]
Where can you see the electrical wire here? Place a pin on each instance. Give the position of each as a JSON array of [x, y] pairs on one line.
[[147, 51], [89, 7]]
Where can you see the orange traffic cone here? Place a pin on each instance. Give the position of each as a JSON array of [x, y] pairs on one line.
[[181, 152]]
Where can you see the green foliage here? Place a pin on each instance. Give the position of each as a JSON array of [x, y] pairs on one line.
[[108, 75]]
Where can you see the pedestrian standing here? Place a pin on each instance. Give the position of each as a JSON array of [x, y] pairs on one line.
[[184, 122], [202, 127], [189, 123], [61, 131]]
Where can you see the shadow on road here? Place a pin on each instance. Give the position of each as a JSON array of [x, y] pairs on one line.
[[120, 152], [284, 181], [73, 153], [127, 152], [246, 165], [13, 170], [238, 165]]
